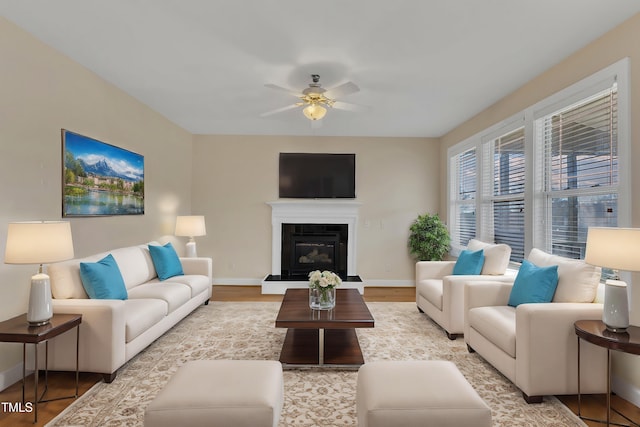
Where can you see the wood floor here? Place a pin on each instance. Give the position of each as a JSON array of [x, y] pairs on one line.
[[62, 383]]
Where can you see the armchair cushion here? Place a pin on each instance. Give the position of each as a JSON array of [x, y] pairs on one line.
[[497, 324], [577, 280], [469, 262], [533, 284], [496, 256]]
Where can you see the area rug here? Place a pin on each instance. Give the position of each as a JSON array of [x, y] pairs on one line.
[[245, 330]]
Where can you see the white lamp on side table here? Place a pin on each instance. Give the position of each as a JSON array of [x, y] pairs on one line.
[[617, 249], [39, 243], [191, 226]]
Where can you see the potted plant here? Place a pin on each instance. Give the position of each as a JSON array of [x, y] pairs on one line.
[[429, 238]]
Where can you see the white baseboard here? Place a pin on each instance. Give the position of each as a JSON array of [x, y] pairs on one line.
[[389, 283], [12, 376], [625, 390], [257, 282], [236, 281]]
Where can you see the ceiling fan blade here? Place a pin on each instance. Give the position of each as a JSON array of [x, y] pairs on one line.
[[280, 110], [342, 90], [282, 89], [339, 105]]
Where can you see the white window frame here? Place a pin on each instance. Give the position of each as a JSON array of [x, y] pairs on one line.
[[535, 212]]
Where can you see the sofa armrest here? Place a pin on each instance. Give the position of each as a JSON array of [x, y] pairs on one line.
[[433, 269], [493, 292], [202, 266], [102, 336], [546, 351], [462, 279]]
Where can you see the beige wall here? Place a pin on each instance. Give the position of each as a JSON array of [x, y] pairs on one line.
[[617, 44], [42, 92], [235, 176]]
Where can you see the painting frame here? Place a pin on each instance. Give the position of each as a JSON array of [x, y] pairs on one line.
[[100, 179]]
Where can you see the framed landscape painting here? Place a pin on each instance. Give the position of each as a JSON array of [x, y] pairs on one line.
[[100, 179]]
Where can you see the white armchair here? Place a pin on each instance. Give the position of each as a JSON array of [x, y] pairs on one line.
[[440, 294], [535, 345]]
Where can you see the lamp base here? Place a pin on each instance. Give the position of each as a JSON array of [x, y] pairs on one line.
[[40, 304], [191, 250], [615, 313]]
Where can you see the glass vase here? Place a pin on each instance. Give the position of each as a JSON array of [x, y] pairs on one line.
[[322, 298]]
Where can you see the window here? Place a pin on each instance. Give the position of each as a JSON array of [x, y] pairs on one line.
[[548, 173], [580, 171], [503, 192], [464, 182]]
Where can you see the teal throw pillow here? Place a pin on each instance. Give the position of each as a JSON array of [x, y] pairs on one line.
[[102, 279], [534, 284], [166, 261], [469, 262]]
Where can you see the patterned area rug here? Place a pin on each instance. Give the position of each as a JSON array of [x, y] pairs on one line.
[[245, 330]]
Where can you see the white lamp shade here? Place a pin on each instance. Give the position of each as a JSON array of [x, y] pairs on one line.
[[38, 242], [190, 226], [615, 248]]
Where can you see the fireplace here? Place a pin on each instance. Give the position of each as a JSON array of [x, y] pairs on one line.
[[308, 247], [336, 241]]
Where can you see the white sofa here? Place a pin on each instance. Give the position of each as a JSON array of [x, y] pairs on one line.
[[535, 345], [114, 331], [440, 294]]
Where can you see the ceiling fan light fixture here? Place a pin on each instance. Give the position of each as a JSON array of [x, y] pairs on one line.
[[314, 112]]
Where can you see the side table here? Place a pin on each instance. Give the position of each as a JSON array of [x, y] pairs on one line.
[[595, 332], [17, 329]]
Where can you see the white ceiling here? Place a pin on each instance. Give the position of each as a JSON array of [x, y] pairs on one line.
[[423, 66]]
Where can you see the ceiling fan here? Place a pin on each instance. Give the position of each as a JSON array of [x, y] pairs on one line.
[[315, 99]]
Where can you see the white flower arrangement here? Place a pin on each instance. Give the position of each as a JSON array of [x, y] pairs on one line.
[[324, 279]]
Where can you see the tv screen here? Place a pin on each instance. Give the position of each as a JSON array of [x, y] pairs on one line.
[[317, 176]]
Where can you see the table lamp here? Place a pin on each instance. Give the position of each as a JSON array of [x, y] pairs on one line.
[[39, 243], [191, 226], [617, 249]]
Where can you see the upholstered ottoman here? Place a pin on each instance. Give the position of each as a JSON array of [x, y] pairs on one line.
[[220, 393], [417, 394]]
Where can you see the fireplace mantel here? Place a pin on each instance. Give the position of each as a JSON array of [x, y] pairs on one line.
[[312, 211]]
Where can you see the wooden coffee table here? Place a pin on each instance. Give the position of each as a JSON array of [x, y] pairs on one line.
[[317, 338]]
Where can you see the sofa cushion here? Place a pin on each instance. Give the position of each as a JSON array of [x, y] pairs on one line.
[[102, 279], [533, 284], [175, 294], [135, 265], [65, 279], [496, 256], [469, 262], [431, 290], [142, 314], [577, 280], [166, 261], [197, 283], [497, 324]]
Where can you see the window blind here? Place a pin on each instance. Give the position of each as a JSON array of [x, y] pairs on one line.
[[503, 192], [580, 171], [464, 184]]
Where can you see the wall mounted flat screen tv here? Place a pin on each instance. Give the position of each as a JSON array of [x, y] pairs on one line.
[[317, 176]]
